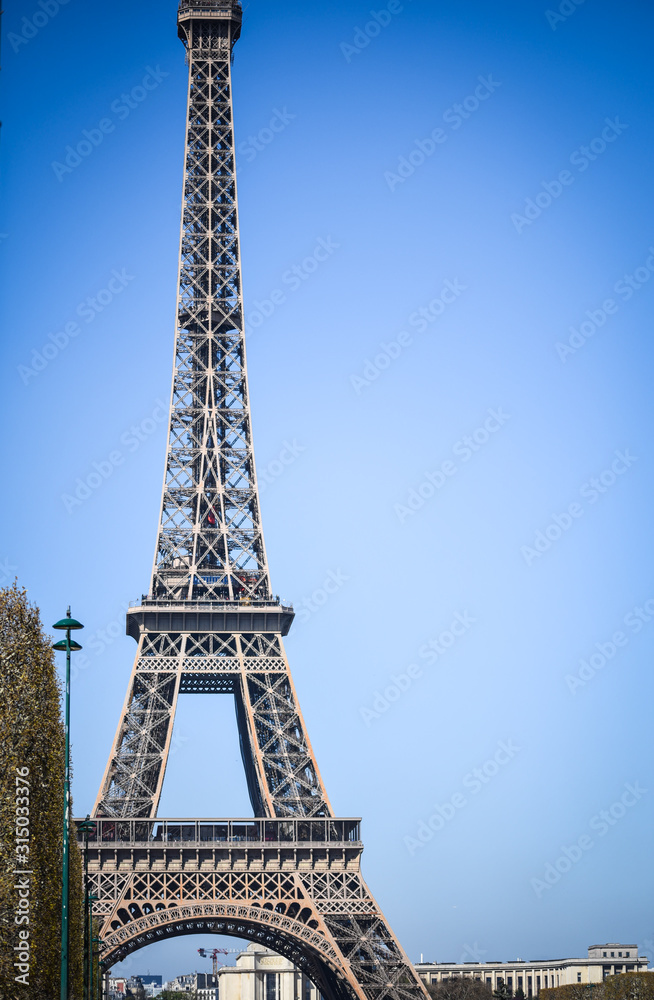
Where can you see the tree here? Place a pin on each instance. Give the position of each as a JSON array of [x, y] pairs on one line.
[[630, 986], [624, 986], [458, 988], [503, 992], [32, 751], [172, 995], [573, 991]]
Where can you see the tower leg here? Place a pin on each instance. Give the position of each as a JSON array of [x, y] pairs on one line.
[[134, 775]]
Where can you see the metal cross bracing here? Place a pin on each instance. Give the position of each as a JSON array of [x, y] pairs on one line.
[[210, 544], [283, 779], [289, 878]]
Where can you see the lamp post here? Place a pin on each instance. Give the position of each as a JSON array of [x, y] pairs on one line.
[[68, 624], [87, 828]]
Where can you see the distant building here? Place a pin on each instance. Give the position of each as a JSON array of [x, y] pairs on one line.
[[603, 960], [151, 984], [262, 974], [205, 984], [208, 994], [118, 986]]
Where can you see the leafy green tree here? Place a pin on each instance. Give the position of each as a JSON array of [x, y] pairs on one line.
[[629, 986], [32, 750], [574, 991], [172, 995], [624, 986], [458, 988]]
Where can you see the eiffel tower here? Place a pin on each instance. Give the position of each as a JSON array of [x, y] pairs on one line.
[[290, 877]]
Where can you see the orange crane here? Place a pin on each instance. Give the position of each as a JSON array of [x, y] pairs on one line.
[[213, 955]]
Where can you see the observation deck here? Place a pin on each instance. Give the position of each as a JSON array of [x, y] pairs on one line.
[[214, 10], [280, 880], [263, 833], [219, 845], [208, 616]]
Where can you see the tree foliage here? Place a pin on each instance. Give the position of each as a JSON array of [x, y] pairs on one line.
[[32, 746], [175, 995], [630, 986], [458, 988], [624, 986]]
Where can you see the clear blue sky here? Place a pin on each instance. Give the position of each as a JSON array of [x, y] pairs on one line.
[[533, 201]]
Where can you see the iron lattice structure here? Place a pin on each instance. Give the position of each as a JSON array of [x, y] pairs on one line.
[[210, 624]]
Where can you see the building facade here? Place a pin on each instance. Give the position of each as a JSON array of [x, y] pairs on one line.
[[200, 984], [603, 960], [262, 974], [118, 987]]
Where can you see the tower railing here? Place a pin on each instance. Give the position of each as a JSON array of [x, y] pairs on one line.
[[220, 832], [207, 6], [160, 602]]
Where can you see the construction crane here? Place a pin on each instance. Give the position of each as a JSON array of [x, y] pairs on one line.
[[213, 955]]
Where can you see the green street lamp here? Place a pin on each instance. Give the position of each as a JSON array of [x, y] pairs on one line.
[[67, 624], [87, 827]]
